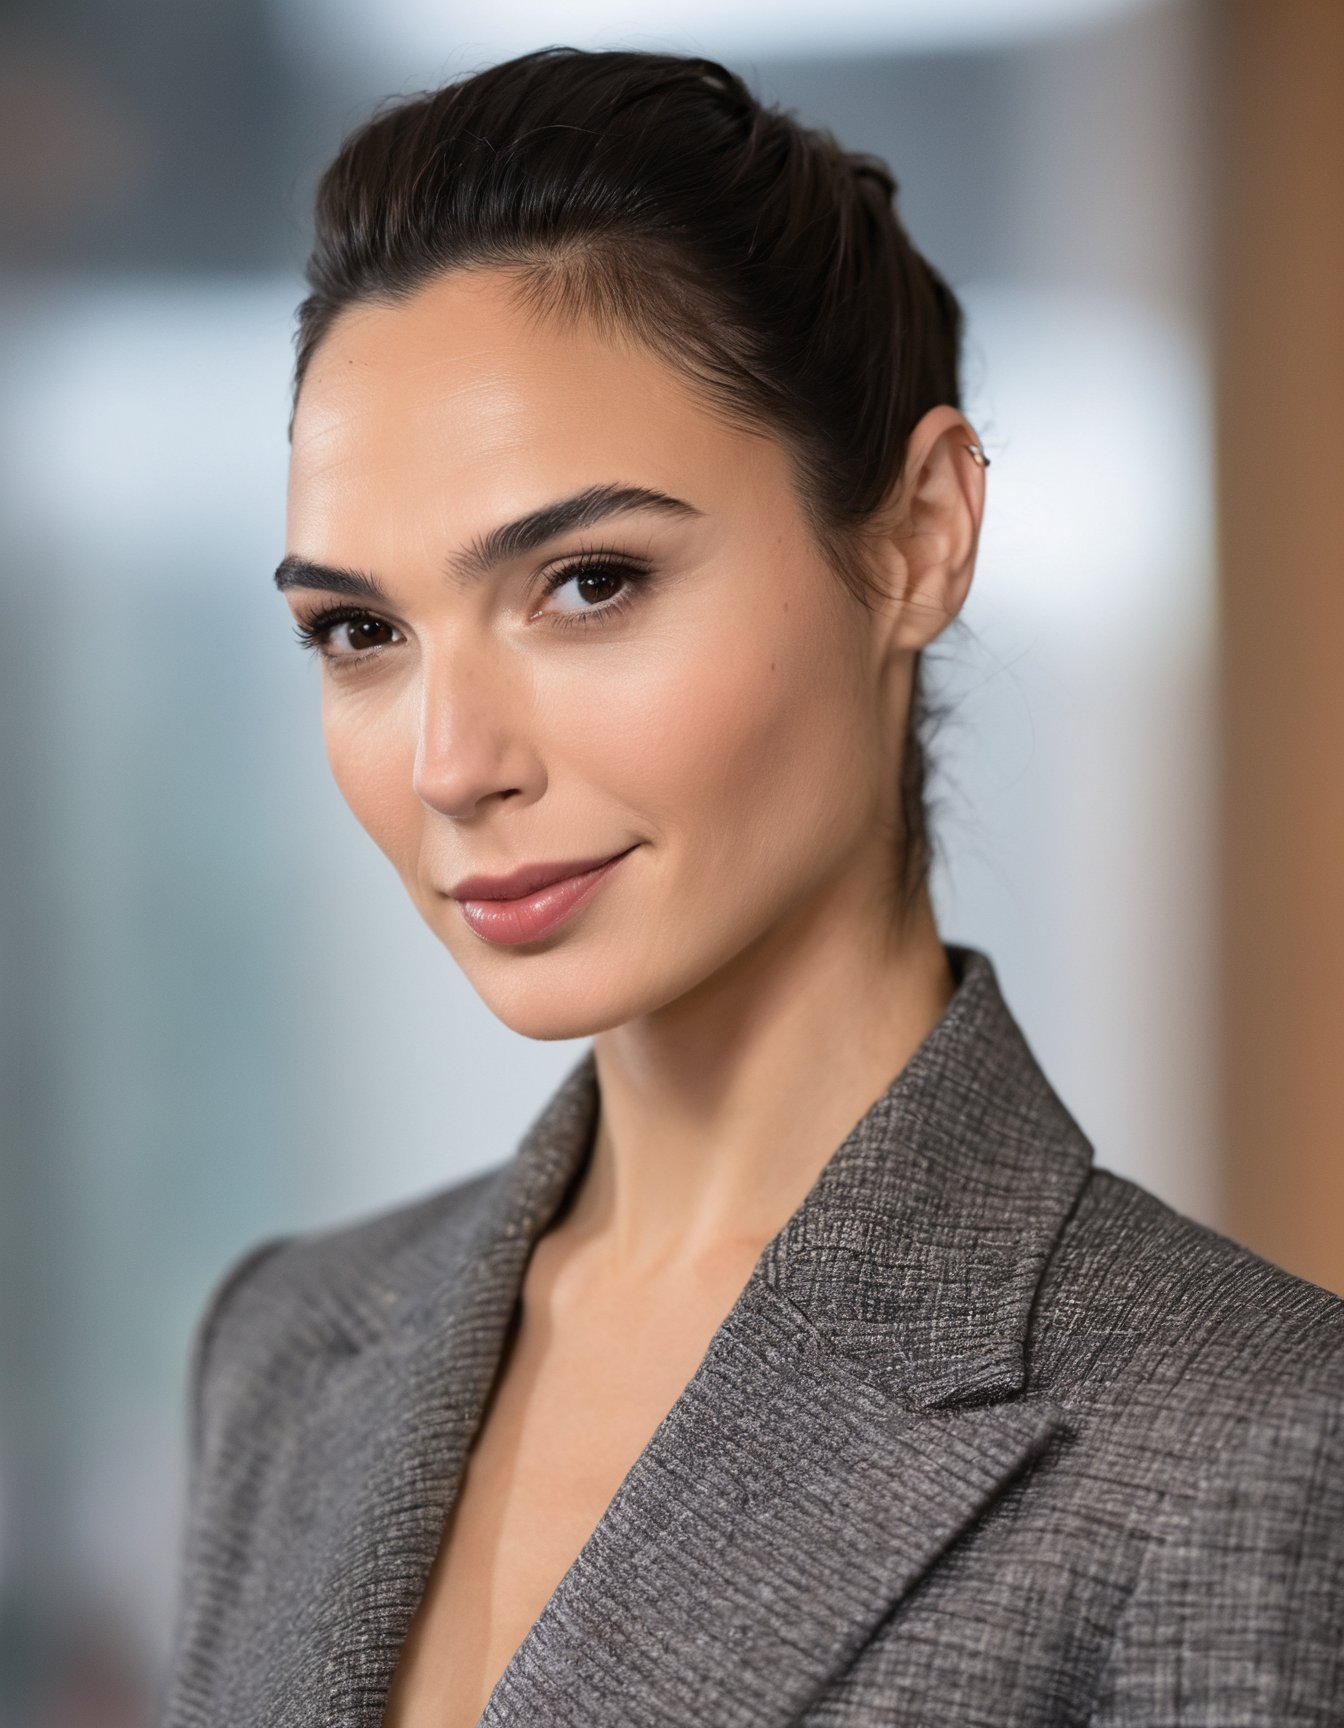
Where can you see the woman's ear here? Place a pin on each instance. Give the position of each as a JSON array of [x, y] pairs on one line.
[[927, 534]]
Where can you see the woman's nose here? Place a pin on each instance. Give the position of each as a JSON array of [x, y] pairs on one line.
[[470, 742]]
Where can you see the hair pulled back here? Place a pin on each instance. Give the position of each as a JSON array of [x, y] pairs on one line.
[[653, 194]]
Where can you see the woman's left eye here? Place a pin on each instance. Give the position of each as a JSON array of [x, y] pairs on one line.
[[602, 586]]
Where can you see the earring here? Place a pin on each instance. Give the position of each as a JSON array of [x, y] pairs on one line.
[[978, 451]]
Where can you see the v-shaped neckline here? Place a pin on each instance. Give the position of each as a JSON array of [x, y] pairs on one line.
[[823, 1409], [553, 1200], [567, 1582]]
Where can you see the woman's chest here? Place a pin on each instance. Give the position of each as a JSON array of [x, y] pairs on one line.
[[782, 1541], [572, 1408]]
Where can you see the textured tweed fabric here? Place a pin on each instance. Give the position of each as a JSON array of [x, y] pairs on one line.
[[992, 1436]]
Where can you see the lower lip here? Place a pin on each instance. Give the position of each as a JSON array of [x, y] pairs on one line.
[[509, 922]]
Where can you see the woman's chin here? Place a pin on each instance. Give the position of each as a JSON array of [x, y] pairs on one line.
[[560, 1006], [552, 1022]]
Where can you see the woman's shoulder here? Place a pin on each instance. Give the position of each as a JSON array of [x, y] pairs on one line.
[[1152, 1318], [336, 1282]]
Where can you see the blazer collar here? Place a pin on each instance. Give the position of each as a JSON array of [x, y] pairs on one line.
[[863, 1403], [916, 1253]]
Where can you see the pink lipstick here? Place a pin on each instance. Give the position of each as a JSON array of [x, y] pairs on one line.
[[531, 902]]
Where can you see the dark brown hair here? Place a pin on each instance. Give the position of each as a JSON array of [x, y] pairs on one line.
[[654, 193]]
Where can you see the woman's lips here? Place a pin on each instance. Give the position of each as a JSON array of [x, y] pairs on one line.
[[533, 915]]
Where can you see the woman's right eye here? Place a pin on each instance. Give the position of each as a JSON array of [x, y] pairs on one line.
[[344, 637]]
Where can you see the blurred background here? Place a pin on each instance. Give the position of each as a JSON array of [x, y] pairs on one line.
[[221, 1016]]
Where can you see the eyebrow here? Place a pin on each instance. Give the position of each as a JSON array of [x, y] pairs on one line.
[[486, 551]]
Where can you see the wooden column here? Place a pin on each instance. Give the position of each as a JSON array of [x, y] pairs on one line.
[[1279, 320]]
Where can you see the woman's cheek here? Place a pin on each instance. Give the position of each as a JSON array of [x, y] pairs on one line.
[[373, 768], [639, 722], [783, 765]]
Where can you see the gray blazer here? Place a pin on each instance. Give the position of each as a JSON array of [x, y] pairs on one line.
[[992, 1436]]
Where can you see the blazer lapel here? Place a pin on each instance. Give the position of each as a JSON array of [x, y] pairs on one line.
[[381, 1438], [779, 1512], [863, 1403]]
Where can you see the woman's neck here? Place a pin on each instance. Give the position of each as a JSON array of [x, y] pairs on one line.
[[719, 1113]]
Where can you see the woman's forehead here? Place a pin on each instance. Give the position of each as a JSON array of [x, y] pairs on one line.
[[460, 394], [463, 352]]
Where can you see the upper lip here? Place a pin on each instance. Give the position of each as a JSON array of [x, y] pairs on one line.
[[526, 879]]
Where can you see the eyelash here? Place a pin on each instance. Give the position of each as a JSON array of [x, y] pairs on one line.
[[313, 632]]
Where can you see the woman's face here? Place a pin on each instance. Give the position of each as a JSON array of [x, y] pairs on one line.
[[676, 675]]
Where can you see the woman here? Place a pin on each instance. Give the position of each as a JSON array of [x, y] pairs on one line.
[[801, 1366]]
